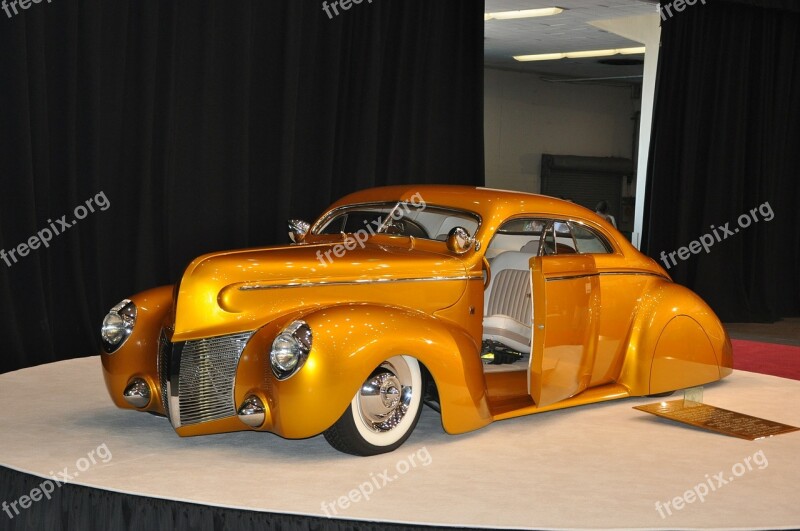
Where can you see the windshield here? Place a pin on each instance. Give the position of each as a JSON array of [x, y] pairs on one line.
[[401, 218]]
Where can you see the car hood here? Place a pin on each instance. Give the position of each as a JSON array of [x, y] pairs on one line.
[[234, 291]]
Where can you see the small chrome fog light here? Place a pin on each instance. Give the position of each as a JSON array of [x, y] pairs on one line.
[[252, 411], [137, 393]]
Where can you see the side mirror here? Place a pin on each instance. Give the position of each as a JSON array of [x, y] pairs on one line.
[[459, 241], [298, 230]]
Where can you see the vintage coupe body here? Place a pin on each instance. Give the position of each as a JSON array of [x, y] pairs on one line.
[[383, 304]]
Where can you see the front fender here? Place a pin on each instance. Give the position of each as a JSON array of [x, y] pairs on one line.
[[138, 356], [349, 341], [676, 342]]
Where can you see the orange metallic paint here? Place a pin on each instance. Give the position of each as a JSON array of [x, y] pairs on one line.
[[566, 292], [137, 357], [696, 363], [605, 326]]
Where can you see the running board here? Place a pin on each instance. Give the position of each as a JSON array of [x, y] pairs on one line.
[[507, 409]]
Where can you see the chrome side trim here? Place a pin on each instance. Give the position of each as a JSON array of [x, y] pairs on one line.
[[253, 287], [639, 273], [607, 273], [571, 277]]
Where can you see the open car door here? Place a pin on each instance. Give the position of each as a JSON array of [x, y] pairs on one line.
[[566, 310]]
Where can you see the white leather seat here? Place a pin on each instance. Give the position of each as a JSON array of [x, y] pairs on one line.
[[532, 247], [507, 305]]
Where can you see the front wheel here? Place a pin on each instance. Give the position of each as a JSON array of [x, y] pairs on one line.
[[383, 412]]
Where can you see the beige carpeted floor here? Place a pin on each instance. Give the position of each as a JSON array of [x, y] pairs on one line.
[[600, 466]]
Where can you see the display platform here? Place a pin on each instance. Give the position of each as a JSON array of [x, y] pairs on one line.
[[599, 466]]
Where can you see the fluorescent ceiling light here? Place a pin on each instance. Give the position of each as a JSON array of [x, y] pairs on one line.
[[631, 51], [579, 55], [525, 13]]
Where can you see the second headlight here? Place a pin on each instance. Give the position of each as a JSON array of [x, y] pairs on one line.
[[290, 349], [118, 325]]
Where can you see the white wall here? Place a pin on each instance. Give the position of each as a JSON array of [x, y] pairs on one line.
[[645, 29], [525, 117]]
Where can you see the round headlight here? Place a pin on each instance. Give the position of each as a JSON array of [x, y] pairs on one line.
[[290, 349], [118, 325], [286, 352]]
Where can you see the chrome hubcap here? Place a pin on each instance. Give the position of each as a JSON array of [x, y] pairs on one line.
[[384, 398]]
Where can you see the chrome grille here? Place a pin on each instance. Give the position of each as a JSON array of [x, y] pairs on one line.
[[207, 370], [164, 351]]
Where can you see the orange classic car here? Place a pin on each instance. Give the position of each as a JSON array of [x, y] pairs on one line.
[[483, 304]]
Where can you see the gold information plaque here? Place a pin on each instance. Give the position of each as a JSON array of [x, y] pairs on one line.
[[717, 419]]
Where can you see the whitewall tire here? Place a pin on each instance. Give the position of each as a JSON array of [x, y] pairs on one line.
[[384, 410]]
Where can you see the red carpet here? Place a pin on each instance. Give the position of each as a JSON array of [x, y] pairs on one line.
[[766, 358]]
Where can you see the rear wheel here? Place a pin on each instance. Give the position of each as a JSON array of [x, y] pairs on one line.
[[383, 412]]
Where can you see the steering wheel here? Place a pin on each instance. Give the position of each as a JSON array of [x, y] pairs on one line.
[[488, 271]]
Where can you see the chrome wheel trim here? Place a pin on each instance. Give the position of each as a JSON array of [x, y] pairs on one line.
[[386, 405]]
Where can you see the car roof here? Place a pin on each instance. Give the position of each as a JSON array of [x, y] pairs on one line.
[[489, 203], [495, 206]]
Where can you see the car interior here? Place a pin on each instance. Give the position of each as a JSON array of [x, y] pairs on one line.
[[508, 302], [404, 219]]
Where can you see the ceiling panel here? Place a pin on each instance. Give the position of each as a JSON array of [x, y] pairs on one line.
[[568, 31]]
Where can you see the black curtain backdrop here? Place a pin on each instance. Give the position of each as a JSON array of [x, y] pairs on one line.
[[202, 126], [77, 508], [726, 139]]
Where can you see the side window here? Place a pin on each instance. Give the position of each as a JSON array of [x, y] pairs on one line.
[[335, 226], [558, 239], [588, 241], [522, 234], [553, 237], [564, 243], [549, 242]]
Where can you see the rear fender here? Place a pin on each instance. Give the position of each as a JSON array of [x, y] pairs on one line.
[[676, 342]]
